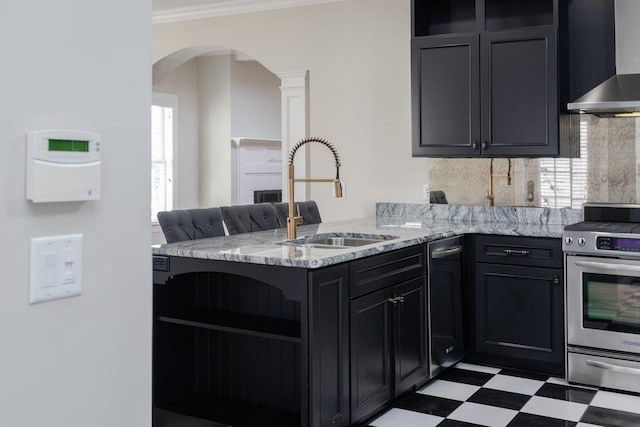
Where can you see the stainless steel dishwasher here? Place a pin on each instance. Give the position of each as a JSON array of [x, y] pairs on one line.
[[446, 333]]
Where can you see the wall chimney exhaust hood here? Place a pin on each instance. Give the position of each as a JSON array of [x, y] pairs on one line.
[[618, 96]]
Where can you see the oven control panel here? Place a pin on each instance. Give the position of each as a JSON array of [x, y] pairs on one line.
[[594, 243], [610, 243]]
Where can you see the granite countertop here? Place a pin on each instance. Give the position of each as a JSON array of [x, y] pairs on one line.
[[402, 225]]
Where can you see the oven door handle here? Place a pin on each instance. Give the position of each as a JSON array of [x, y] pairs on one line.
[[609, 267], [614, 368]]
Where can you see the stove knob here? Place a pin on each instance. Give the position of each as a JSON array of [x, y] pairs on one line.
[[568, 241], [582, 241]]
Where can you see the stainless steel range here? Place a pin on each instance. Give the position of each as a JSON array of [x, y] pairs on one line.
[[602, 268]]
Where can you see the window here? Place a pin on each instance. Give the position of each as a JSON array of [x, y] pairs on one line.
[[563, 182], [163, 117]]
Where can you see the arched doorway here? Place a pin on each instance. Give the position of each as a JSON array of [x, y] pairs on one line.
[[203, 161]]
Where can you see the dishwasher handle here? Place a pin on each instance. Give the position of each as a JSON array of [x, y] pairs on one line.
[[443, 253]]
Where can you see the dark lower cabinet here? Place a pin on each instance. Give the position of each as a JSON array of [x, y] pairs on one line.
[[519, 312], [248, 344], [388, 345], [410, 335], [329, 346], [245, 344], [371, 353], [517, 308]]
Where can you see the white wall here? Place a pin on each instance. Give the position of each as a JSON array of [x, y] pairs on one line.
[[358, 57], [627, 36], [255, 101], [81, 361]]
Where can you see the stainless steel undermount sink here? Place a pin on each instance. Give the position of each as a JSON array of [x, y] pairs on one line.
[[342, 241], [338, 240]]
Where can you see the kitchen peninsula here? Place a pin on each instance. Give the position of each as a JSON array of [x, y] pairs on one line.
[[246, 326]]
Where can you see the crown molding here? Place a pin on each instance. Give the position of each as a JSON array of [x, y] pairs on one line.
[[229, 7]]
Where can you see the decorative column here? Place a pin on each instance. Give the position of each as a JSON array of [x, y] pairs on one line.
[[295, 126]]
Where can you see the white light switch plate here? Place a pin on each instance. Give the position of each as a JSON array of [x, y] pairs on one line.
[[56, 268]]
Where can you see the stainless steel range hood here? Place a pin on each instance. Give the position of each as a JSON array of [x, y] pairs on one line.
[[619, 96]]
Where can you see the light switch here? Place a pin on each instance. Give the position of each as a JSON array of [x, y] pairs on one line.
[[68, 266], [56, 268], [50, 267]]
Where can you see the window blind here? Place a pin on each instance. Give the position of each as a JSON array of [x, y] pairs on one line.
[[563, 182]]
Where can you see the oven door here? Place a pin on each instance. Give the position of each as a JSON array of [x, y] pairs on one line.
[[603, 303]]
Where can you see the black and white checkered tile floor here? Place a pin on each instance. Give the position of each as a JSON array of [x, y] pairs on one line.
[[470, 395]]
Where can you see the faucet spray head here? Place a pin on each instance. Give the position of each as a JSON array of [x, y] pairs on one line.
[[338, 187], [338, 184]]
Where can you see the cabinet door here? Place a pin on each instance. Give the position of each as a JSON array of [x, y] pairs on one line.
[[329, 346], [410, 334], [519, 312], [445, 101], [371, 353], [519, 73]]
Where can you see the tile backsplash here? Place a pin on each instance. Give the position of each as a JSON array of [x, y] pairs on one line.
[[608, 171]]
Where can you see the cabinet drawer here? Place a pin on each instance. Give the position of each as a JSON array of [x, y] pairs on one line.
[[387, 269], [526, 251]]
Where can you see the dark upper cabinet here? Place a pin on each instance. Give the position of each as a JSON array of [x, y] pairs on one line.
[[519, 106], [492, 78], [446, 93]]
